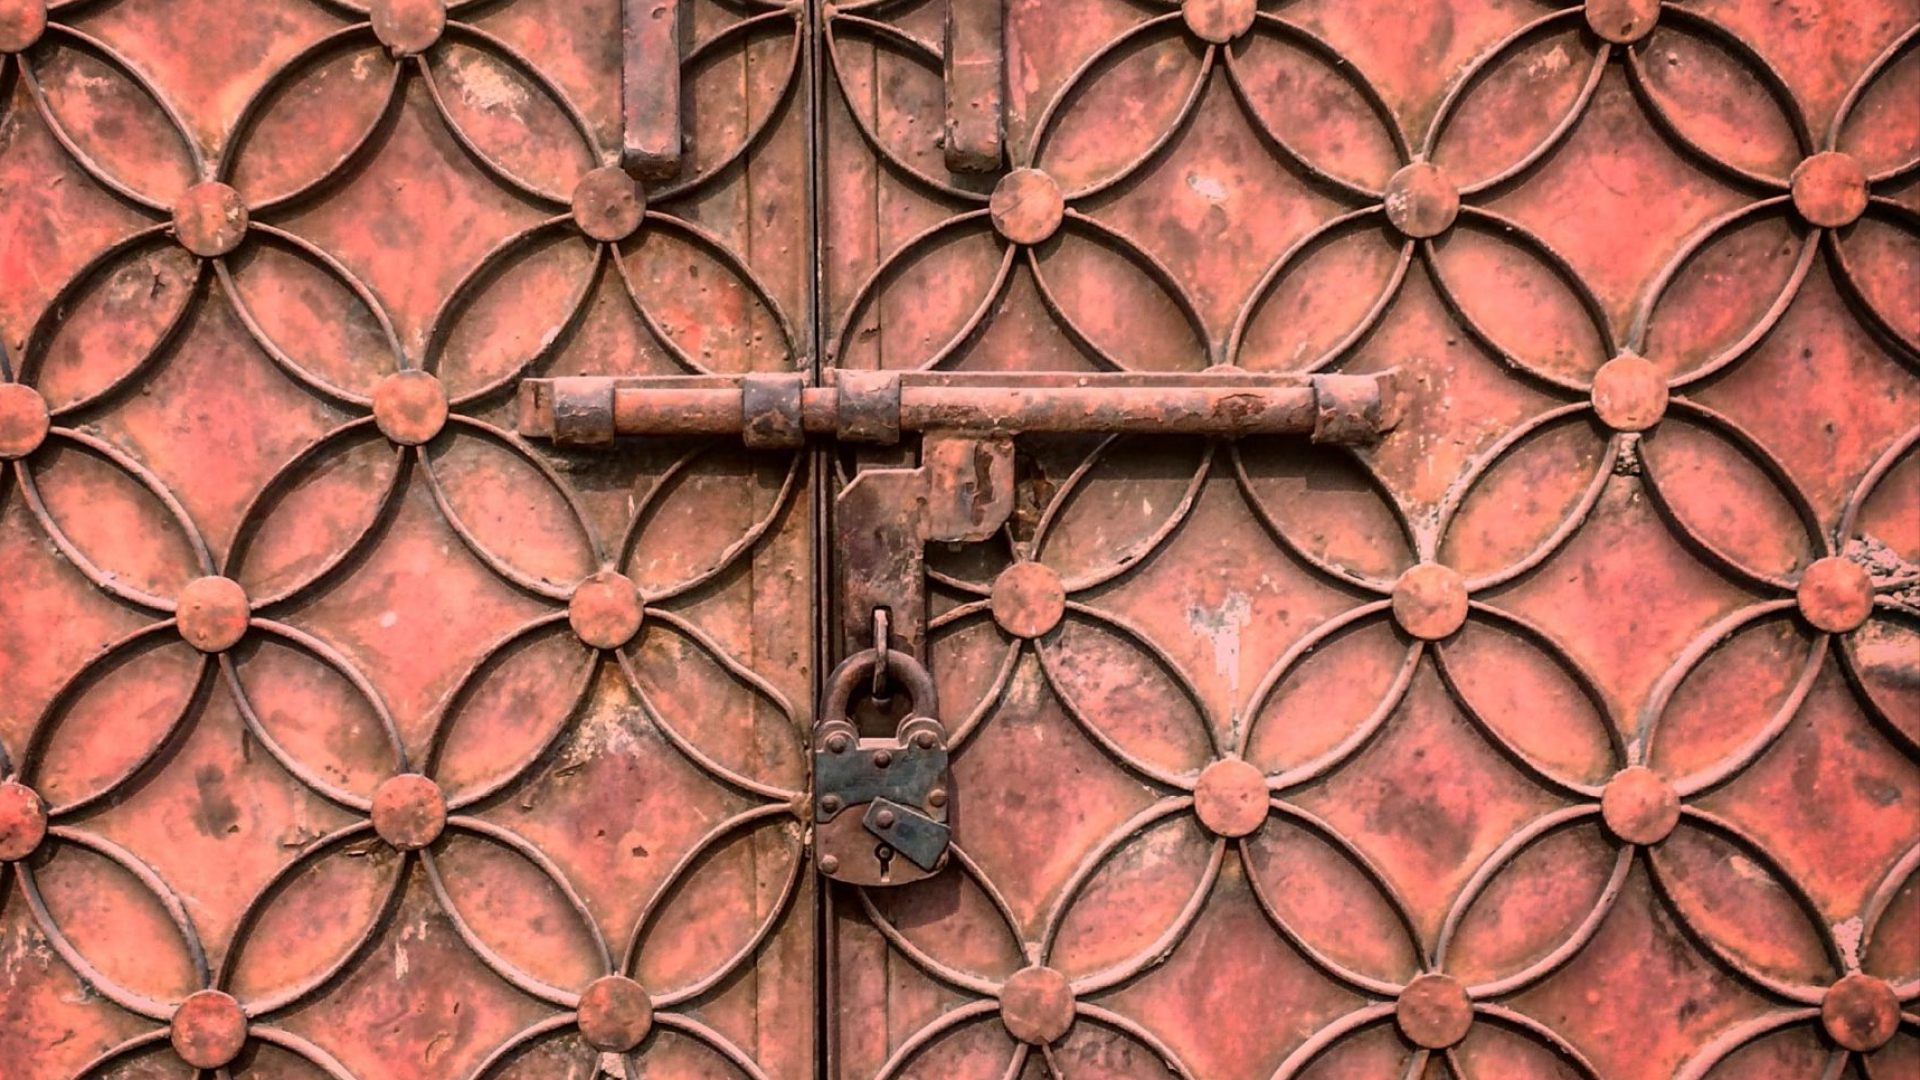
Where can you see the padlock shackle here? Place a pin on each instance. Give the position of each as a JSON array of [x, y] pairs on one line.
[[849, 676]]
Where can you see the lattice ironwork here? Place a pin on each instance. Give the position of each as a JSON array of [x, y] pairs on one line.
[[1573, 730], [346, 733]]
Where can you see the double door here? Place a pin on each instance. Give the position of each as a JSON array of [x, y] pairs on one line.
[[443, 468]]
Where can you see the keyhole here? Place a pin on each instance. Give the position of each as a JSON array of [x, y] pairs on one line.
[[884, 852]]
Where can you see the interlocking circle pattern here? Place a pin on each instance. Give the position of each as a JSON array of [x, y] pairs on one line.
[[1276, 766], [413, 628]]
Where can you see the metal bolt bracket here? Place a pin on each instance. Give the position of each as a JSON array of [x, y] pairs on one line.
[[963, 488], [877, 407]]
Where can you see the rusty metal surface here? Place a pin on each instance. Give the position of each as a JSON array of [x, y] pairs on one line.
[[1571, 730], [343, 733], [777, 410]]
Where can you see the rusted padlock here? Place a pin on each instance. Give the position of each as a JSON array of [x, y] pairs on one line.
[[880, 806]]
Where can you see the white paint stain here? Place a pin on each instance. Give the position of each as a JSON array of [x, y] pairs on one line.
[[1555, 61], [1208, 188], [1847, 934], [1220, 626], [487, 86]]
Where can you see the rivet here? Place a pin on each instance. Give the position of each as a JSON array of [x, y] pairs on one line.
[[1421, 201], [1231, 798], [21, 24], [884, 819], [1629, 393], [1434, 1012], [24, 421], [615, 1014], [410, 407], [606, 610], [831, 804], [609, 205], [1029, 599], [1830, 190], [209, 1030], [1861, 1013], [1218, 21], [23, 821], [408, 27], [838, 743], [409, 811], [1639, 806], [210, 219], [1026, 206], [1036, 1005], [829, 864], [212, 613], [882, 758], [1430, 601], [1835, 594], [1623, 22]]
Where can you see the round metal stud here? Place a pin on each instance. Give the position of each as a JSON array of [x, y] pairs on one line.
[[23, 821], [615, 1014], [1027, 206], [1434, 1011], [21, 24], [1623, 22], [209, 1030], [829, 864], [407, 27], [212, 613], [1835, 594], [210, 219], [1629, 393], [1231, 798], [1036, 1005], [1028, 599], [1421, 202], [409, 811], [1830, 189], [23, 420], [1860, 1013], [1218, 21], [606, 610], [609, 205], [1639, 806], [410, 407], [1430, 601]]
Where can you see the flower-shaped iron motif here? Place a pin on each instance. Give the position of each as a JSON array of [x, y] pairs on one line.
[[398, 437], [1450, 782], [1613, 638]]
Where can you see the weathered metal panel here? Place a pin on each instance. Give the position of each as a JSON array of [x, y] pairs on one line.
[[347, 734], [1573, 730]]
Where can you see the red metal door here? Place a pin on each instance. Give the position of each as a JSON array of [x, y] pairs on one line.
[[1573, 730], [347, 734]]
